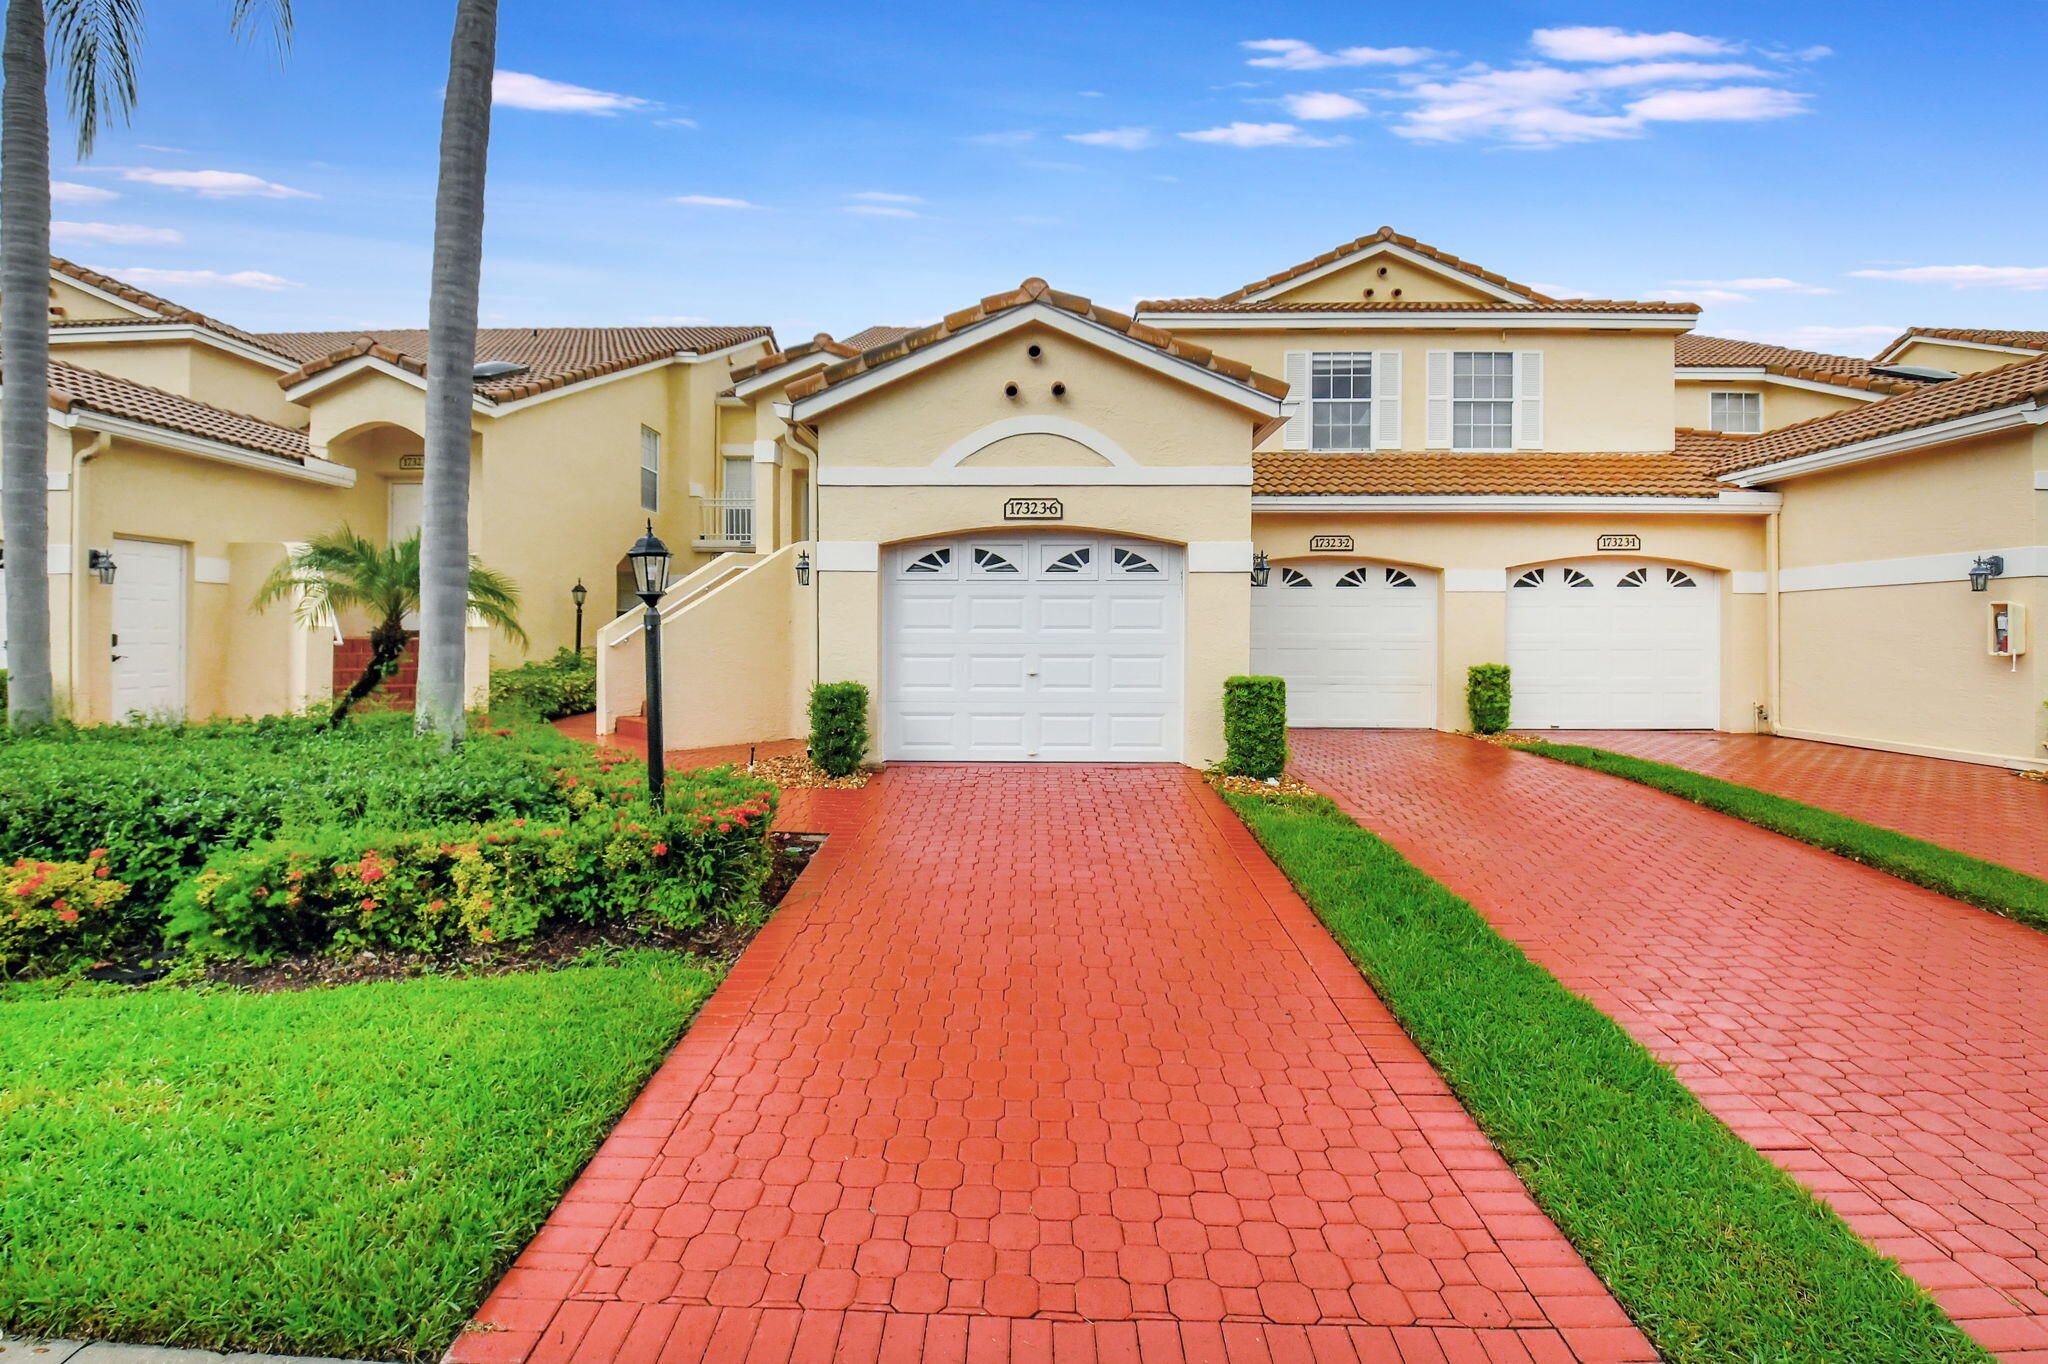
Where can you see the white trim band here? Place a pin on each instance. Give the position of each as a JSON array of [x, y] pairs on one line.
[[1757, 374], [2024, 561], [1219, 556], [847, 556], [1381, 320], [1475, 580]]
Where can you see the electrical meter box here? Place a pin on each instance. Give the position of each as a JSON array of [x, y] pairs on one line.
[[2008, 629]]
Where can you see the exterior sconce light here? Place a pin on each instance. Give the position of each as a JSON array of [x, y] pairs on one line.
[[1986, 567], [803, 568], [1262, 569], [650, 580], [101, 562]]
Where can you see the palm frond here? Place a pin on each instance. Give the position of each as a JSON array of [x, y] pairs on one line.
[[341, 570], [247, 18], [493, 596], [96, 42]]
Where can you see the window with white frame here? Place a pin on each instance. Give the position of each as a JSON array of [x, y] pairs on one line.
[[1340, 400], [1740, 414], [650, 468], [1482, 400]]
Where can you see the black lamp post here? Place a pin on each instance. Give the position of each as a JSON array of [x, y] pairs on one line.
[[650, 580], [577, 594]]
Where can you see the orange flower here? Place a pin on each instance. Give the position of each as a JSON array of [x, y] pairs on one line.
[[69, 916], [661, 850], [484, 936], [96, 852], [368, 903], [436, 905]]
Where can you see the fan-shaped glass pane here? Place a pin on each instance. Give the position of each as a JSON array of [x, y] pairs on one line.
[[1354, 578], [1130, 561], [1635, 577], [1073, 561], [1533, 578], [1574, 578], [988, 561], [931, 561], [1679, 579], [1399, 578], [1290, 577]]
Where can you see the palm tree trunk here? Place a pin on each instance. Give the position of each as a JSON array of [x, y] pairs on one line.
[[25, 352], [451, 355], [387, 647]]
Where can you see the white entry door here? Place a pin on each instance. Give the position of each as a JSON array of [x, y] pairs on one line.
[[1614, 644], [148, 645], [1032, 648], [1355, 641]]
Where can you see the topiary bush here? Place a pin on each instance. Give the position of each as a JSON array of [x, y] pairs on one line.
[[55, 914], [1255, 727], [839, 726], [547, 688], [1488, 697]]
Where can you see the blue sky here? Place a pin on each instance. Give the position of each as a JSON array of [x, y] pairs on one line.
[[830, 166]]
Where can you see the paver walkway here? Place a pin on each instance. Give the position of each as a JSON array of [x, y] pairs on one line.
[[1046, 1063], [1986, 812], [1882, 1042]]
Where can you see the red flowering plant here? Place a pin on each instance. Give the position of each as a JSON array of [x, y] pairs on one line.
[[53, 914]]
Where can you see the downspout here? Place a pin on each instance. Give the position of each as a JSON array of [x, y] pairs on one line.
[[79, 458], [1774, 633]]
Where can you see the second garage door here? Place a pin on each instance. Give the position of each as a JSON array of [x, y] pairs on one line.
[[1355, 641], [1614, 644]]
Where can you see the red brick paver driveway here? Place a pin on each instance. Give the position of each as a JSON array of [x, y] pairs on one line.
[[1882, 1042], [1046, 1063], [1986, 812]]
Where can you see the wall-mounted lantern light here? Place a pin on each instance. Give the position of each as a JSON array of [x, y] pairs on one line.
[[1262, 569], [1986, 567], [101, 562], [803, 568]]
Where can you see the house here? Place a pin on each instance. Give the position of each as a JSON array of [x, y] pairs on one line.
[[187, 454], [1042, 530]]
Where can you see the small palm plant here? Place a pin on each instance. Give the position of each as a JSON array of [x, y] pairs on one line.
[[343, 571]]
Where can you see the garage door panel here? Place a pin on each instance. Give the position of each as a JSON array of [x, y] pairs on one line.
[[1130, 612], [1136, 673], [1355, 650], [1070, 613], [1622, 649], [996, 673], [928, 673], [995, 614], [925, 610], [996, 730]]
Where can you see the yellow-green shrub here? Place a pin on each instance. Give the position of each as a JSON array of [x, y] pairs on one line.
[[53, 914]]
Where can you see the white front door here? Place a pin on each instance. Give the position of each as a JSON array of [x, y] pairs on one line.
[[148, 644], [1355, 641], [402, 522], [1032, 648], [1614, 644]]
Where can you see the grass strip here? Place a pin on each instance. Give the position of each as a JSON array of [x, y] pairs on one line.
[[340, 1171], [1715, 1252], [2002, 890]]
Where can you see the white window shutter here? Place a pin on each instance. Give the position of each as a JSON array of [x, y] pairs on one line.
[[1294, 436], [1438, 394], [1529, 400], [1386, 400]]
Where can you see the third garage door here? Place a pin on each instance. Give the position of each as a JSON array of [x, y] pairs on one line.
[[1355, 641]]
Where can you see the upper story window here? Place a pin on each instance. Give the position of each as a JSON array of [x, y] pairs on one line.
[[1482, 400], [650, 468], [1740, 414], [1340, 400]]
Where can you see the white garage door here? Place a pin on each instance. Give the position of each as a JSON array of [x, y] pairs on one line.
[[1614, 644], [1356, 643], [149, 629], [1032, 648]]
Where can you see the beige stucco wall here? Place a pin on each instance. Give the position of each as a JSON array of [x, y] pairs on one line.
[[1389, 278], [1783, 403], [75, 303], [1905, 664], [1474, 623], [1961, 359], [206, 373]]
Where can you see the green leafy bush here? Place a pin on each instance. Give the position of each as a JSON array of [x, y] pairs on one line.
[[55, 913], [839, 726], [1255, 726], [1488, 696], [703, 854], [548, 688]]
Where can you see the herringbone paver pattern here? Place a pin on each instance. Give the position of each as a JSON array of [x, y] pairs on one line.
[[1046, 1063], [1885, 1044]]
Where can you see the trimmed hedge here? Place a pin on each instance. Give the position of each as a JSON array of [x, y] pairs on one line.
[[839, 726], [547, 688], [1255, 727], [1489, 695]]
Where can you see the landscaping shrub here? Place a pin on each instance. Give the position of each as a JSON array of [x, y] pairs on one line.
[[839, 726], [1255, 727], [426, 889], [53, 914], [1488, 695], [549, 688]]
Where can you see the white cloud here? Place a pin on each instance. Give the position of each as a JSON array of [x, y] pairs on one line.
[[880, 211], [1966, 276], [65, 192], [1699, 296], [518, 90], [675, 122], [1607, 44], [1755, 284], [213, 184], [1123, 139], [1261, 135], [1323, 104], [1558, 290], [202, 279], [115, 234], [1292, 54], [882, 196], [1729, 103], [1015, 138], [712, 201]]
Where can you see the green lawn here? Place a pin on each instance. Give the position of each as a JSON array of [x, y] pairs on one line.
[[339, 1171], [1972, 880], [1716, 1253]]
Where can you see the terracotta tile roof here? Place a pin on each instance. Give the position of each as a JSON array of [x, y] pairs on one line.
[[1926, 405], [1725, 351], [1029, 292], [167, 312], [1685, 472], [553, 356], [72, 387], [1357, 244], [871, 337], [1989, 336], [775, 359], [1568, 305]]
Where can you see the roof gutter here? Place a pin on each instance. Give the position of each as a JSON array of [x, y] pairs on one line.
[[312, 470], [1895, 443]]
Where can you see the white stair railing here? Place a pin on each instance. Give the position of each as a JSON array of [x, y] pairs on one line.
[[727, 520]]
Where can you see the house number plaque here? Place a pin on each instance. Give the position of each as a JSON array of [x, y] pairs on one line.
[[1619, 542], [411, 462], [1330, 544], [1034, 509]]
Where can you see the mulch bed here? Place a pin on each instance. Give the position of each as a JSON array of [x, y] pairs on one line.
[[798, 773], [1252, 786]]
